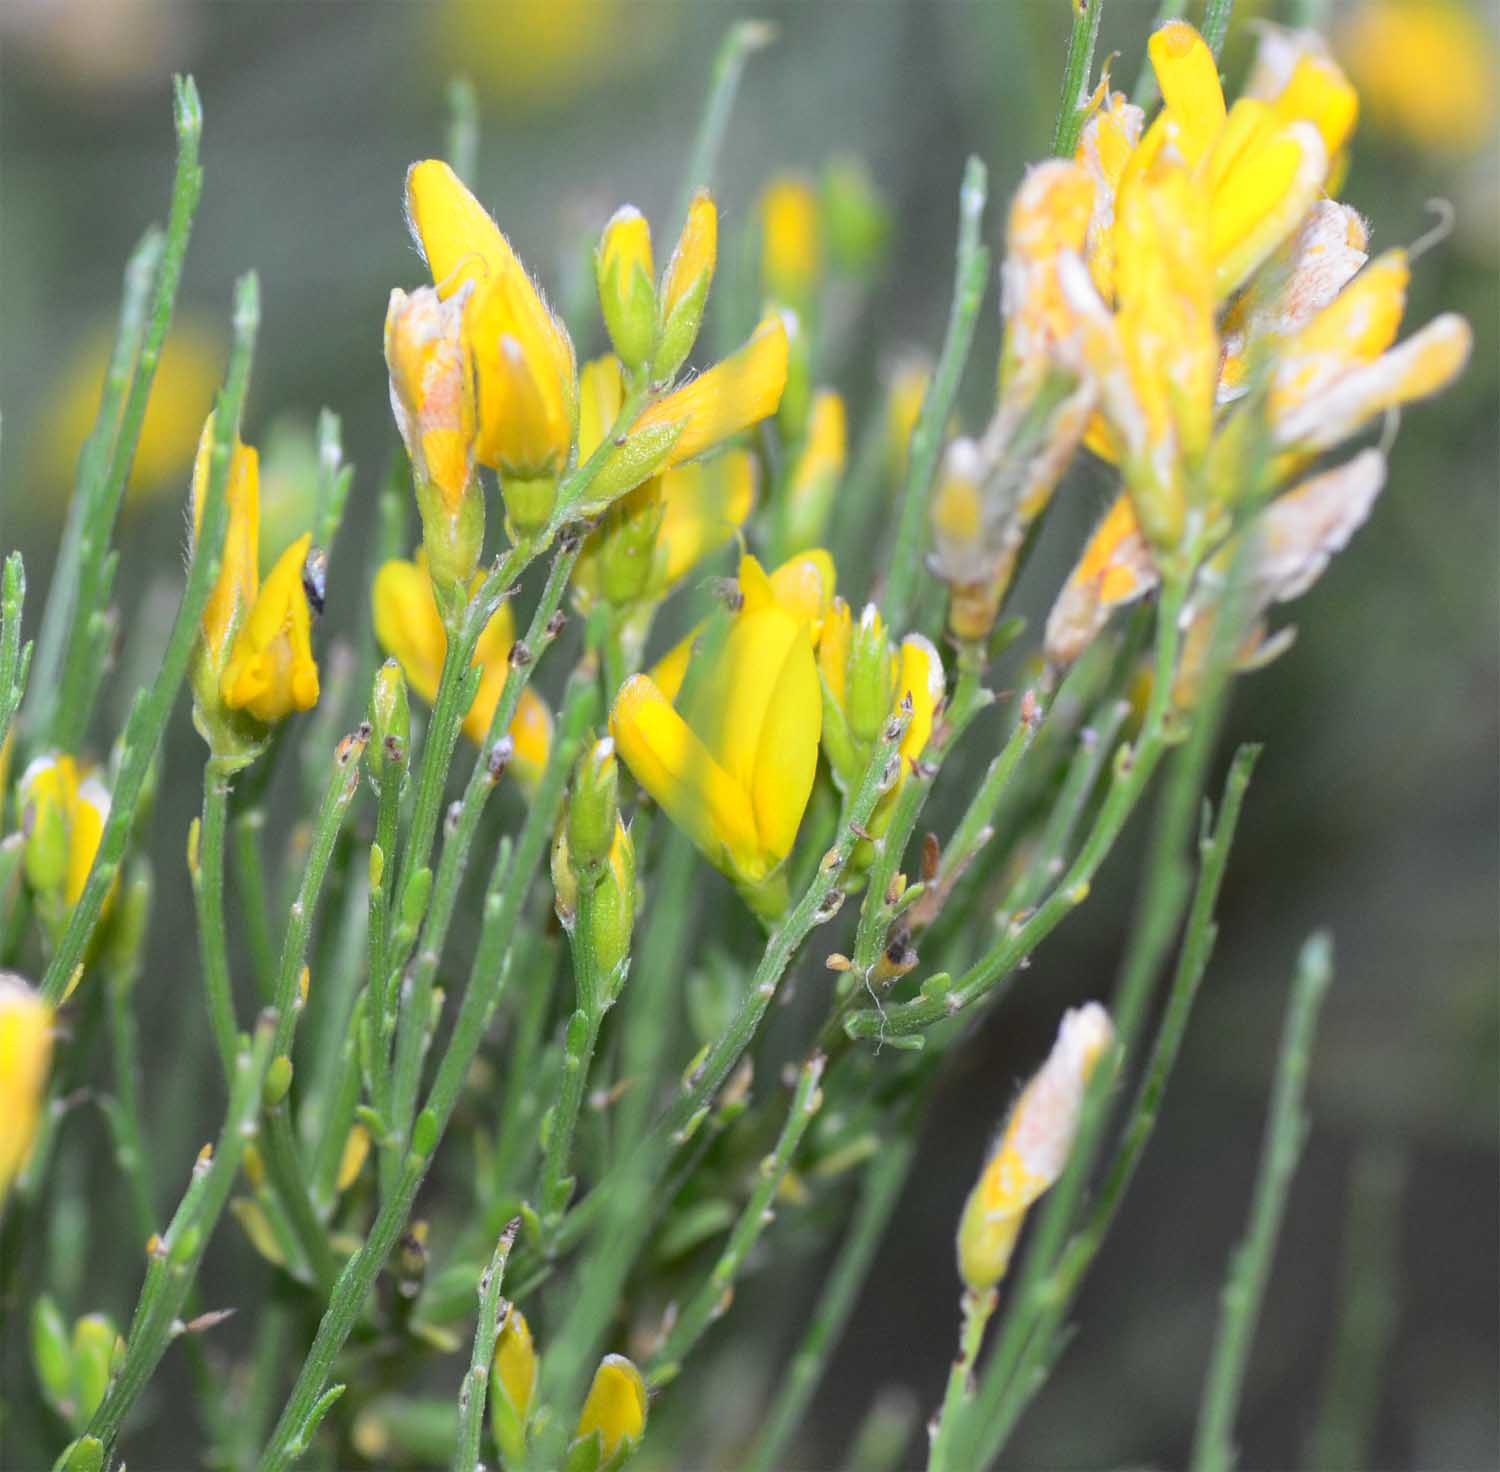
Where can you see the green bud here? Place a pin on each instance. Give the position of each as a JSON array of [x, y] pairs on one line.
[[129, 917], [528, 503], [627, 297], [856, 219], [424, 1134], [50, 1355], [278, 1081], [593, 807], [614, 903], [637, 460], [84, 1455], [627, 544], [871, 680], [390, 722], [97, 1347]]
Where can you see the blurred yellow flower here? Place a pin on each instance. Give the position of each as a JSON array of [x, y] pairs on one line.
[[182, 394], [1033, 1149], [1426, 70], [25, 1058], [807, 501], [791, 242], [410, 629], [63, 808]]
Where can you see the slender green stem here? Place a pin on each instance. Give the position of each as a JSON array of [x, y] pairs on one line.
[[743, 39], [131, 1154], [250, 881], [969, 281], [523, 1092], [580, 1039], [471, 1397], [502, 907], [1033, 1325], [175, 1257], [977, 1309], [463, 128], [89, 481], [1250, 1267], [1072, 106], [208, 898], [885, 1176], [82, 662], [1096, 744], [338, 1117], [713, 1298], [1216, 17], [149, 714], [1369, 1308], [334, 481], [290, 1181], [416, 1000], [15, 660]]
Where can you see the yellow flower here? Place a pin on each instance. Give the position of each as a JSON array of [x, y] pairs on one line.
[[736, 777], [1115, 569], [623, 272], [409, 627], [802, 586], [1034, 1148], [815, 476], [182, 392], [25, 1057], [732, 395], [1426, 69], [63, 813], [514, 1386], [528, 388], [791, 251], [865, 680], [256, 654], [271, 671], [903, 403], [615, 1407], [684, 286]]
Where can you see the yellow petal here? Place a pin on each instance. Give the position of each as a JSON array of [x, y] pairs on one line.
[[1188, 77], [616, 1405], [457, 237], [601, 392], [791, 247], [676, 768], [695, 254], [407, 624], [702, 505], [920, 676], [239, 577], [833, 651], [1319, 93], [271, 671], [25, 1060], [732, 395]]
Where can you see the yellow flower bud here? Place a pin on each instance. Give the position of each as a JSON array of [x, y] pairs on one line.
[[409, 628], [903, 403], [63, 811], [1034, 1148], [513, 1386], [523, 356], [271, 671], [791, 251], [627, 294], [25, 1057], [432, 399], [615, 1408], [684, 286], [234, 591], [353, 1156]]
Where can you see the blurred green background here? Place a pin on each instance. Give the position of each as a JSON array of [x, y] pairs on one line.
[[1374, 807]]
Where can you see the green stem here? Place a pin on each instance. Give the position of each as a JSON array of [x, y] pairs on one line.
[[1216, 16], [1369, 1308], [15, 660], [149, 714], [1033, 1337], [208, 898], [250, 880], [471, 1397], [522, 1102], [131, 1154], [82, 659], [415, 1003], [969, 281], [977, 1308], [506, 894], [463, 128], [744, 38], [712, 1299], [581, 1038], [89, 481], [885, 1176], [1250, 1267], [289, 1179], [1072, 106], [176, 1256]]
